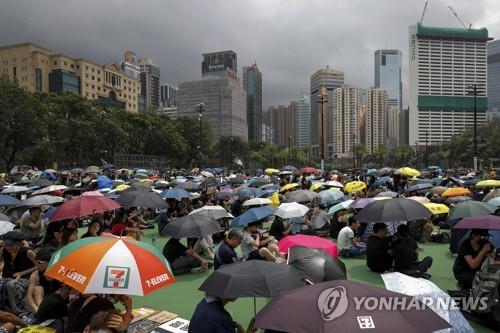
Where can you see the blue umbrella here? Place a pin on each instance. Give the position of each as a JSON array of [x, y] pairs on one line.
[[252, 215], [371, 171], [7, 200], [329, 197], [382, 181], [250, 192], [495, 201], [419, 187], [48, 175], [175, 193], [104, 182]]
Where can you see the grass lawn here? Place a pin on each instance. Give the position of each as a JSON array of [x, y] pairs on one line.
[[182, 297]]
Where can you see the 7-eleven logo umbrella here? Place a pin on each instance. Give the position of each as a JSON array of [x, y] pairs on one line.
[[111, 265]]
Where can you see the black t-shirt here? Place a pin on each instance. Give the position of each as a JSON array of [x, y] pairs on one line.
[[378, 258], [173, 249], [404, 254], [465, 249], [225, 255], [20, 263], [277, 229], [80, 317], [53, 306]]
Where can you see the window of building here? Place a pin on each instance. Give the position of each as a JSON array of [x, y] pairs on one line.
[[98, 72], [86, 85], [93, 87], [55, 63], [93, 70], [14, 71], [87, 76], [93, 78], [87, 94], [93, 95], [99, 88], [72, 66], [65, 63], [38, 79], [77, 66], [87, 68]]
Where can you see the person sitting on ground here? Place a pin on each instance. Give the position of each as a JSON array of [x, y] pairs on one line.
[[106, 322], [204, 247], [18, 261], [55, 307], [426, 232], [471, 253], [378, 256], [40, 286], [182, 259], [278, 229], [123, 227], [31, 224], [93, 230], [406, 255], [320, 222], [253, 248], [225, 253], [347, 242], [53, 234], [211, 317]]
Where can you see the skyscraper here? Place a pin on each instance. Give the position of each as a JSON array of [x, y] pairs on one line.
[[303, 122], [375, 119], [252, 84], [168, 95], [346, 116], [150, 83], [444, 62], [215, 63], [330, 79], [494, 79], [388, 75], [282, 120]]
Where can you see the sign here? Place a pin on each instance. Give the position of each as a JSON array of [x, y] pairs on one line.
[[116, 277]]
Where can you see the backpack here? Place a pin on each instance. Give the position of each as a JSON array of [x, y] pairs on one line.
[[486, 284]]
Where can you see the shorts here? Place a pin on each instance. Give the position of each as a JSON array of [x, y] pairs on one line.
[[255, 255]]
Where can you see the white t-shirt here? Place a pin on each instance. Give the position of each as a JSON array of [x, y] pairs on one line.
[[344, 238], [246, 244]]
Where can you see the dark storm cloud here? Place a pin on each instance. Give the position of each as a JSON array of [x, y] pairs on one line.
[[289, 40]]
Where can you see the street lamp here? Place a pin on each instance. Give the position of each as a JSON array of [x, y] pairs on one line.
[[474, 91], [200, 107], [426, 146], [323, 99]]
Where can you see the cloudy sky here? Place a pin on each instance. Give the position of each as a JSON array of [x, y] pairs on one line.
[[289, 39]]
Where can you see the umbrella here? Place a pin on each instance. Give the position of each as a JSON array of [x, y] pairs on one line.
[[492, 194], [381, 181], [301, 196], [289, 168], [371, 171], [271, 171], [332, 306], [488, 183], [409, 172], [488, 222], [6, 226], [50, 188], [253, 278], [436, 208], [141, 197], [316, 265], [438, 190], [42, 199], [327, 198], [111, 265], [386, 194], [209, 182], [225, 194], [195, 226], [92, 169], [455, 192], [471, 182], [307, 170], [214, 212], [288, 187], [495, 201], [422, 200], [419, 187], [258, 182], [249, 192], [4, 217], [188, 186], [311, 242], [15, 189], [355, 186], [384, 171], [394, 210], [257, 202], [175, 193], [469, 209], [316, 186], [7, 200], [340, 206], [361, 203], [455, 200], [207, 174], [290, 210], [333, 183], [238, 179], [141, 176], [252, 215], [84, 206]]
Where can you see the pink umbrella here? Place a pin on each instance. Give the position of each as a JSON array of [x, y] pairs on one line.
[[311, 242], [307, 170]]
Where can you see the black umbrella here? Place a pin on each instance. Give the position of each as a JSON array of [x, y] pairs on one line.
[[76, 170], [188, 186], [290, 168], [141, 197], [259, 182], [301, 196], [385, 172], [196, 226], [209, 182], [393, 210], [316, 265], [238, 179], [332, 306], [419, 187], [41, 182]]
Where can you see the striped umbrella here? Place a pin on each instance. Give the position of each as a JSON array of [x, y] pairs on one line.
[[111, 265]]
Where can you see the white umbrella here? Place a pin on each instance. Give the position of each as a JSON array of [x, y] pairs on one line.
[[290, 210], [5, 227], [257, 202], [42, 199], [333, 183], [422, 200], [49, 189], [207, 174], [215, 212], [15, 189]]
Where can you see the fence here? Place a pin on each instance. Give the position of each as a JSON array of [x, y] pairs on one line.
[[129, 161]]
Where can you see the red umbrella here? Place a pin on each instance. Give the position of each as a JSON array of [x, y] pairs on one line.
[[84, 206], [311, 242], [307, 170]]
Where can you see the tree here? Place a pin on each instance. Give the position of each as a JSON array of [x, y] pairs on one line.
[[360, 153], [381, 152]]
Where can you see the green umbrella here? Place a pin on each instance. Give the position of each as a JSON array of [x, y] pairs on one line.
[[469, 209]]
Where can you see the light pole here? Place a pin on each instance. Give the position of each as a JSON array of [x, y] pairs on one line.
[[426, 146], [200, 107], [323, 99], [474, 91], [289, 151]]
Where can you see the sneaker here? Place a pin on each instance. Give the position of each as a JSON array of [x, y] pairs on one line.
[[280, 261]]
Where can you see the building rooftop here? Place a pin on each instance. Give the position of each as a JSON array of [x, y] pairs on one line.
[[26, 44], [453, 33]]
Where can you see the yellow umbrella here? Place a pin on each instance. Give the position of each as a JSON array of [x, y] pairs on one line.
[[455, 192], [288, 187], [409, 172], [355, 186], [437, 209], [488, 183], [316, 186], [421, 200], [275, 199], [270, 171], [122, 187]]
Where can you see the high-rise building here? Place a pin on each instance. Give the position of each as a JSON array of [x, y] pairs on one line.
[[36, 68], [216, 63], [388, 75], [150, 83], [329, 79], [252, 84], [130, 65], [375, 119], [168, 95], [444, 63], [346, 116], [282, 120], [404, 127], [494, 79], [225, 102], [303, 122], [392, 127]]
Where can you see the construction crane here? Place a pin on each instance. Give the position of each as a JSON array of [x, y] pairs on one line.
[[461, 20], [423, 12]]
